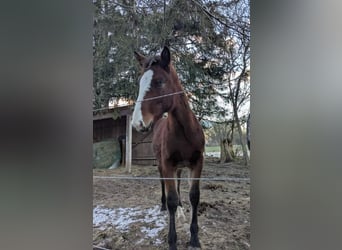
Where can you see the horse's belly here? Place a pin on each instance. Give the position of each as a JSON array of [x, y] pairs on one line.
[[183, 164], [181, 159]]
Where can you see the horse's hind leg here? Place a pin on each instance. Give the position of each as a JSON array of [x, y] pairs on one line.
[[163, 198], [179, 174], [180, 212], [194, 199]]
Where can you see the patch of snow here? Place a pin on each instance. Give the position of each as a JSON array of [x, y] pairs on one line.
[[121, 218], [139, 242], [157, 242], [213, 154]]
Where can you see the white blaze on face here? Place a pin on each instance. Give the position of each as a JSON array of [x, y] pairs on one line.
[[144, 86]]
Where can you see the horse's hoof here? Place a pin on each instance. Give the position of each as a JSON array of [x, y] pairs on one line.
[[194, 245], [163, 208], [173, 247]]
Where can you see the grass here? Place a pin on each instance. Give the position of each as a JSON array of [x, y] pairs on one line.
[[212, 149]]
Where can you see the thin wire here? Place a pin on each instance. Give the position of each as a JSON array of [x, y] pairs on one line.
[[161, 96], [147, 99], [159, 178]]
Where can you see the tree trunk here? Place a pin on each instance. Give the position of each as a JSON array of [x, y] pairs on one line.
[[243, 144], [226, 151]]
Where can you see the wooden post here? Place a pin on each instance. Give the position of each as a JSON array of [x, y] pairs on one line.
[[123, 153], [128, 143]]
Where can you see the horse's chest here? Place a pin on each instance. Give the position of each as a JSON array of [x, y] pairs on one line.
[[183, 158], [174, 147]]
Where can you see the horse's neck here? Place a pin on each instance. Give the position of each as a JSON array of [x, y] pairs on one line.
[[182, 115]]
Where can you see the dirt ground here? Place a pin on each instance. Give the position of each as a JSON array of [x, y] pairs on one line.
[[126, 213]]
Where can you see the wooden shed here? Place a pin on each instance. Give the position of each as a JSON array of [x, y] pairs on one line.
[[115, 123]]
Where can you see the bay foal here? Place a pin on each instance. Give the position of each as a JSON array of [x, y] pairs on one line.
[[178, 139]]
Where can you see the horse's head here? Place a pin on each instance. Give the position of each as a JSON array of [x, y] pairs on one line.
[[157, 79]]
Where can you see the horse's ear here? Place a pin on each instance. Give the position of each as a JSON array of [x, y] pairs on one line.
[[140, 58], [165, 57]]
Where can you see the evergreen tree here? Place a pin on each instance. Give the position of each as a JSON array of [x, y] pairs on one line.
[[209, 41]]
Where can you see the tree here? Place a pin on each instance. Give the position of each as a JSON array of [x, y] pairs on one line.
[[233, 58], [221, 132]]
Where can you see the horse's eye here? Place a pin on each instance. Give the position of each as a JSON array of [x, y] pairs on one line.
[[159, 82]]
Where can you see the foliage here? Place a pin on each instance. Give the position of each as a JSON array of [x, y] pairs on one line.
[[204, 37]]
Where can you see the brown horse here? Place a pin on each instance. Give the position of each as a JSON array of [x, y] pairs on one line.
[[178, 139]]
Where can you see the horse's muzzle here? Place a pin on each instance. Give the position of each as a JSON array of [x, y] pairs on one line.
[[141, 128]]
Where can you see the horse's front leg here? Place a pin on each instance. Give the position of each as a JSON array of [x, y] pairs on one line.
[[163, 198], [172, 203], [194, 200]]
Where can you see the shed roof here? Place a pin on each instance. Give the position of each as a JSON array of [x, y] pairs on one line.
[[105, 113]]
